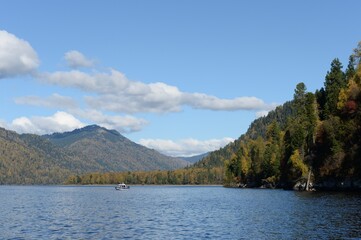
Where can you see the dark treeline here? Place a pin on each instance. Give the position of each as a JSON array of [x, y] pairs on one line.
[[178, 177], [316, 136]]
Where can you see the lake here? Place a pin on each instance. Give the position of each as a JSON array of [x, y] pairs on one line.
[[175, 212]]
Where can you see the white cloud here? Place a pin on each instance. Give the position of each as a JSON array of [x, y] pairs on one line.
[[17, 57], [108, 91], [115, 92], [63, 122], [185, 147], [203, 101], [139, 97], [59, 122], [3, 123], [23, 125], [53, 101], [75, 59], [123, 124]]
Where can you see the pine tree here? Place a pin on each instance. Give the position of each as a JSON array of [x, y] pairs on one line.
[[350, 71], [357, 54], [335, 80], [321, 102]]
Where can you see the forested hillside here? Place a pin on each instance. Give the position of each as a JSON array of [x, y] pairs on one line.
[[51, 159], [316, 136], [113, 152], [21, 162]]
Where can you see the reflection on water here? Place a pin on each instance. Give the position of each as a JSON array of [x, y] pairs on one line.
[[167, 212]]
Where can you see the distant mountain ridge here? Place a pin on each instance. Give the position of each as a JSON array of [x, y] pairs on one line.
[[196, 158], [50, 159], [112, 151]]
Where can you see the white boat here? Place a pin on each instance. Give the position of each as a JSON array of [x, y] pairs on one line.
[[121, 186]]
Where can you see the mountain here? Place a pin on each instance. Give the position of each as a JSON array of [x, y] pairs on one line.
[[51, 159], [195, 158], [29, 159], [112, 151]]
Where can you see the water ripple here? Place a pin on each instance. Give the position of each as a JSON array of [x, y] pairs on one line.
[[56, 212]]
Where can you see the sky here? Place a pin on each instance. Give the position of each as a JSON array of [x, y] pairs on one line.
[[182, 77]]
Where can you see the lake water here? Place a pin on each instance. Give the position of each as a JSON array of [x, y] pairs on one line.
[[175, 212]]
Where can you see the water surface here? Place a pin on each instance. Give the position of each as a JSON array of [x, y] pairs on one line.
[[175, 212]]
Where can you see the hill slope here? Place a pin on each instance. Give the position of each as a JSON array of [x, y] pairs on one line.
[[24, 162], [112, 151], [314, 138], [258, 128], [51, 159]]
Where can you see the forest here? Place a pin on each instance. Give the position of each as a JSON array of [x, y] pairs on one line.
[[312, 140], [192, 176]]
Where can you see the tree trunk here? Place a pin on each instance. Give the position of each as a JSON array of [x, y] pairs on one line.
[[308, 180]]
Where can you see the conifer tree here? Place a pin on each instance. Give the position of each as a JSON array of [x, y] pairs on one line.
[[335, 80], [350, 71]]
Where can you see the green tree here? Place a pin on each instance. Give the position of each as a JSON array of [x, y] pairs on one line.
[[350, 71], [257, 150], [272, 155], [299, 168], [335, 80], [357, 54], [311, 119], [299, 98], [321, 102]]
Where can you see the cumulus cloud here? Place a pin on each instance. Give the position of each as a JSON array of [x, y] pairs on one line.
[[203, 101], [59, 122], [75, 59], [115, 92], [123, 124], [53, 101], [17, 57], [96, 82], [139, 97], [185, 147], [63, 122], [108, 91]]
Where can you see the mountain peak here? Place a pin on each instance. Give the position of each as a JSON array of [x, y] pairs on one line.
[[29, 158], [87, 132], [111, 150], [90, 129], [99, 129]]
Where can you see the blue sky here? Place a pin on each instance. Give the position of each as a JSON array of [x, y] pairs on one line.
[[182, 77]]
